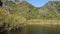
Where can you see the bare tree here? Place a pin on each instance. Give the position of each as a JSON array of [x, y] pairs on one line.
[[5, 6], [4, 3]]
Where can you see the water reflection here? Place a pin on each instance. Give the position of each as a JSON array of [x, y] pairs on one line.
[[36, 29]]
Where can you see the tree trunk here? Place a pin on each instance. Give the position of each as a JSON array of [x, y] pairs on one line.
[[4, 3]]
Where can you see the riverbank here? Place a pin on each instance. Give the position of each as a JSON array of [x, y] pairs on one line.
[[43, 22], [40, 26]]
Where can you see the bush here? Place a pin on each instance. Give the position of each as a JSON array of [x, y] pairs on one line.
[[9, 21]]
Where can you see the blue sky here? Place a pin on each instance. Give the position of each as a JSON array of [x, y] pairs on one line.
[[38, 3]]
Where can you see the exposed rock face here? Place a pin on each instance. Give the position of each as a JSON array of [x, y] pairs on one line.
[[3, 3], [51, 6]]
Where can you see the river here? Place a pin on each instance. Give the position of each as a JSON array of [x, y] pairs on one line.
[[38, 29]]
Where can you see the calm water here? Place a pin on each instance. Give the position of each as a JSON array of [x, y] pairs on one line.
[[38, 29]]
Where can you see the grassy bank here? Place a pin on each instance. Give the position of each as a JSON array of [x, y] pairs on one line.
[[43, 22]]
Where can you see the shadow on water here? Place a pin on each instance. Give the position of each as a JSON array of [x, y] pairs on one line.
[[35, 29], [12, 31]]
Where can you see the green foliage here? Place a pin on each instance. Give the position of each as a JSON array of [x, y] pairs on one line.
[[30, 12], [23, 11], [4, 16], [13, 20], [58, 7]]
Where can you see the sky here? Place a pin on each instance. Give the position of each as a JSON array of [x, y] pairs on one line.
[[37, 3]]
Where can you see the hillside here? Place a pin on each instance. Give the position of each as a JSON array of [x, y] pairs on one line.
[[50, 11], [20, 15], [52, 6], [24, 8]]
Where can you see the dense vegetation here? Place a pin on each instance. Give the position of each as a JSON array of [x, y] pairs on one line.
[[22, 12], [8, 20], [31, 12]]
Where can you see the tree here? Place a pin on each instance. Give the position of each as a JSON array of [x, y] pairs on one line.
[[4, 3], [9, 21], [18, 1]]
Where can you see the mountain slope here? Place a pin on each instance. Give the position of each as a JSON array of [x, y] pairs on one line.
[[50, 11]]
